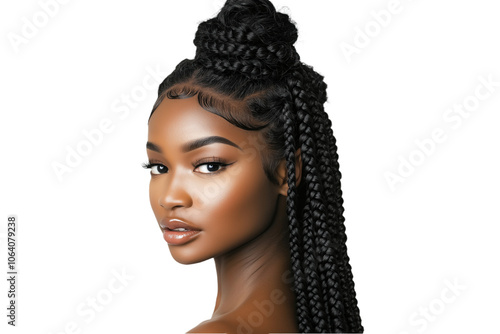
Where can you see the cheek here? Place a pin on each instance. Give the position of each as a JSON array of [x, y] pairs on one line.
[[154, 196], [241, 207]]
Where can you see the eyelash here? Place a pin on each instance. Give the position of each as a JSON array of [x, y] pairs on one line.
[[205, 161]]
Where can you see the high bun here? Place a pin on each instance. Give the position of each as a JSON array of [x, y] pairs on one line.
[[246, 70], [248, 38]]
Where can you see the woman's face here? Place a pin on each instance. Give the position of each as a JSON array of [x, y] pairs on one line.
[[207, 173]]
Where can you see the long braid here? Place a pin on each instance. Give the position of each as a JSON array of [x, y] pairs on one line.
[[337, 268], [246, 54], [325, 232], [311, 205], [307, 103], [333, 192], [304, 314], [328, 152]]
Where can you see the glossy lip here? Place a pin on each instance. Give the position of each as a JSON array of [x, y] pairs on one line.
[[169, 224]]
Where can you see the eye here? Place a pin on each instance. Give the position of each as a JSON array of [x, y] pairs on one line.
[[212, 165], [156, 168]]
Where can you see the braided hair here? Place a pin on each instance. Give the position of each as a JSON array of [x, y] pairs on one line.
[[247, 71]]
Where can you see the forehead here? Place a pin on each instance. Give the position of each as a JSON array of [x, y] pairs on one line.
[[184, 120]]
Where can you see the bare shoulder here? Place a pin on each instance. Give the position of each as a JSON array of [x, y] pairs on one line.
[[215, 326]]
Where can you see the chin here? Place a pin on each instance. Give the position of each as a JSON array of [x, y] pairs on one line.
[[184, 256]]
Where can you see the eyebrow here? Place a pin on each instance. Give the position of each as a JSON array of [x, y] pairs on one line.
[[197, 143]]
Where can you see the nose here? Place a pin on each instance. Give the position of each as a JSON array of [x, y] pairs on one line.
[[175, 194]]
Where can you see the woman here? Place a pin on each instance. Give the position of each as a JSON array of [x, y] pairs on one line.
[[244, 170]]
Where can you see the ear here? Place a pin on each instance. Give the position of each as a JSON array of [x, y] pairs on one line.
[[283, 174]]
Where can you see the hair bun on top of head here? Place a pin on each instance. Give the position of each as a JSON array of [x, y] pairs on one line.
[[248, 37]]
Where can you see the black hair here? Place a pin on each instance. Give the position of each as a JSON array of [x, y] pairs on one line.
[[247, 71]]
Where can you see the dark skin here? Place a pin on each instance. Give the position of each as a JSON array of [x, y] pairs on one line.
[[240, 212]]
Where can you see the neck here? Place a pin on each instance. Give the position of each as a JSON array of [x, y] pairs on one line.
[[257, 272]]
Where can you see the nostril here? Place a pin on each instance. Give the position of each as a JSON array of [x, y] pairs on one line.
[[171, 207], [170, 203]]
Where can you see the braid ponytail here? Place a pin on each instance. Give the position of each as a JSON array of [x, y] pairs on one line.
[[246, 54], [325, 252]]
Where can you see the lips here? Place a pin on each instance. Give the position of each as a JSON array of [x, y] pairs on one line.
[[170, 224], [177, 232]]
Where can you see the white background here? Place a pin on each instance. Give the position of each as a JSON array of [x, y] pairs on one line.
[[407, 244]]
